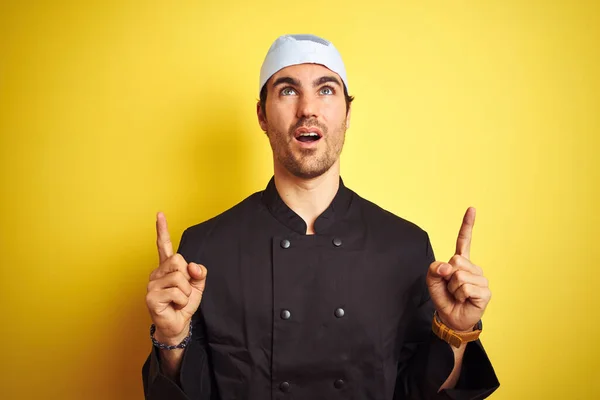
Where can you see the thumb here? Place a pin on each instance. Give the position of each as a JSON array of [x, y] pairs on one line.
[[197, 275], [439, 270]]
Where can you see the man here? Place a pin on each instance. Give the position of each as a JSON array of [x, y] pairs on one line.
[[314, 292]]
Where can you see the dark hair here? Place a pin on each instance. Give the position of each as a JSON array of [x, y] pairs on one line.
[[263, 99]]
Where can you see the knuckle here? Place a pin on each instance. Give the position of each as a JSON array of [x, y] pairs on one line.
[[172, 293], [467, 289], [460, 276], [462, 293], [456, 260], [177, 258], [152, 275], [149, 300]]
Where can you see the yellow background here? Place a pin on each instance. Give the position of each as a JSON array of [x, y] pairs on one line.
[[111, 111]]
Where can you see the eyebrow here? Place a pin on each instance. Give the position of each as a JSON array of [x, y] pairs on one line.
[[327, 79], [284, 80], [317, 82]]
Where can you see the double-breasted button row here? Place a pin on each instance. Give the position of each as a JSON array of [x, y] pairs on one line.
[[285, 243]]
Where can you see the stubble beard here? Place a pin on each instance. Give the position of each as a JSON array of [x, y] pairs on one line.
[[307, 163]]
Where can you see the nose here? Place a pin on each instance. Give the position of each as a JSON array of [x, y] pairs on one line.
[[307, 107]]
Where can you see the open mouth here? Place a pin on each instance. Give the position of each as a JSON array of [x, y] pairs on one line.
[[308, 135]]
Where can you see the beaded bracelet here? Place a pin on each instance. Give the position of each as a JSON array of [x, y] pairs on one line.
[[163, 346]]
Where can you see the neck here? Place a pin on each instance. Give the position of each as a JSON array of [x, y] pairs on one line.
[[308, 197]]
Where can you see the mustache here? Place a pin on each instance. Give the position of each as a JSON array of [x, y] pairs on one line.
[[307, 123]]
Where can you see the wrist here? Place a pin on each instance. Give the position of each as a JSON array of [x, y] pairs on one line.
[[444, 322], [170, 342], [454, 337]]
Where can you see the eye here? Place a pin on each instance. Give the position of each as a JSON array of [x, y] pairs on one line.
[[326, 90], [288, 91]]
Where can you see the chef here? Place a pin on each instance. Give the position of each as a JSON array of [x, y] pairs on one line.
[[313, 291]]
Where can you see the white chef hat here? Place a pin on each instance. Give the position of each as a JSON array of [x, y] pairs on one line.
[[289, 50]]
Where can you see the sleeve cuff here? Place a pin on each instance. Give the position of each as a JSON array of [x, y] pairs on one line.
[[477, 378], [156, 384], [440, 361], [477, 373]]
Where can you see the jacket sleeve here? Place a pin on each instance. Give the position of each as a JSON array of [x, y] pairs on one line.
[[426, 361], [195, 377]]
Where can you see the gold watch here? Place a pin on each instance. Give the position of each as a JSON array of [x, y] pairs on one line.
[[452, 337]]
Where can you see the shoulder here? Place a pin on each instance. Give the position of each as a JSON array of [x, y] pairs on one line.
[[227, 220], [391, 233], [385, 223]]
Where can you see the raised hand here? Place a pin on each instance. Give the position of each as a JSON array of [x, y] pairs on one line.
[[458, 289], [175, 289]]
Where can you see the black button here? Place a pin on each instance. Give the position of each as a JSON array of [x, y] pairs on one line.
[[286, 314], [339, 312], [339, 384], [284, 386], [337, 242], [285, 243]]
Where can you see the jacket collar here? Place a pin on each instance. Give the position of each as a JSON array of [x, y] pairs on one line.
[[335, 212]]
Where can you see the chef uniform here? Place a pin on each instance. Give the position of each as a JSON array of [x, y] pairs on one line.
[[342, 314]]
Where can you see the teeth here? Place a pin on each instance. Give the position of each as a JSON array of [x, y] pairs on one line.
[[309, 134]]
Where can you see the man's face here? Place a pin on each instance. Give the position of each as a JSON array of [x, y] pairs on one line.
[[306, 118]]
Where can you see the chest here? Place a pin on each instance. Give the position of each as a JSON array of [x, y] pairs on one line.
[[309, 287]]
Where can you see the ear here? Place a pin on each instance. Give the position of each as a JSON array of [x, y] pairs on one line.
[[348, 116], [262, 121]]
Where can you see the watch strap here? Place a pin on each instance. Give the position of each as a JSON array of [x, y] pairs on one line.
[[451, 336]]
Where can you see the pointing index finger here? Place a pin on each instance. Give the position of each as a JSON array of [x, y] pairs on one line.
[[463, 243], [163, 239]]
